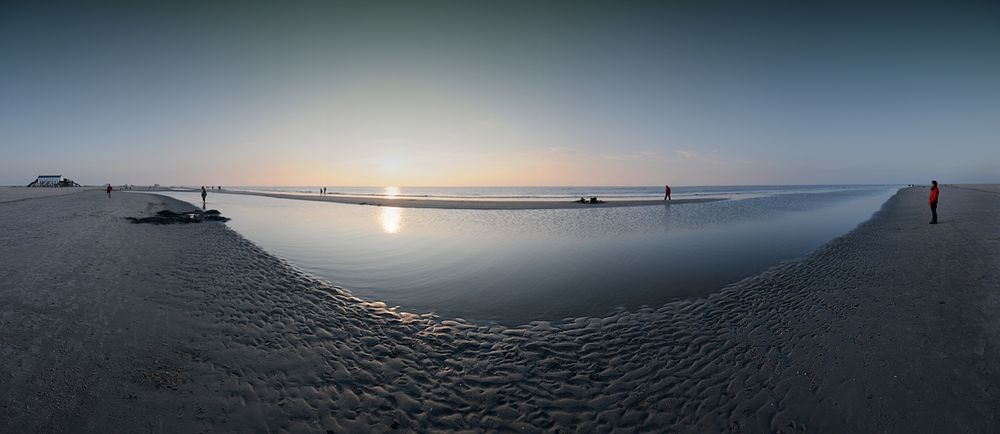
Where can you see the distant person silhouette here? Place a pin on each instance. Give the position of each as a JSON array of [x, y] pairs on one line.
[[204, 194], [109, 191], [666, 192], [932, 201]]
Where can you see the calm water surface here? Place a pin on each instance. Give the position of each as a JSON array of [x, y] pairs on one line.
[[547, 193], [515, 266]]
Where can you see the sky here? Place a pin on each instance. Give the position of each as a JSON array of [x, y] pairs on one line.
[[506, 93]]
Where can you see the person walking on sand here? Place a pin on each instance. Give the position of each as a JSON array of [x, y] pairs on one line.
[[204, 194], [109, 191], [666, 192], [932, 201]]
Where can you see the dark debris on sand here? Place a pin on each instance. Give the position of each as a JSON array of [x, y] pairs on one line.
[[167, 217]]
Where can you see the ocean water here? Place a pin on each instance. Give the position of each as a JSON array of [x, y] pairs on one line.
[[516, 266]]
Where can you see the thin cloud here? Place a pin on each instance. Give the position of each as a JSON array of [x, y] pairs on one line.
[[687, 154]]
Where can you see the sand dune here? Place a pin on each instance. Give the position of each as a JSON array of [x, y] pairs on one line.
[[106, 325]]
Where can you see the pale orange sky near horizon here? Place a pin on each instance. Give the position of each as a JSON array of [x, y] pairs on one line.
[[548, 167]]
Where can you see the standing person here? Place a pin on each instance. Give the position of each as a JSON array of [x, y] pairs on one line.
[[204, 194], [932, 201], [666, 192], [109, 191]]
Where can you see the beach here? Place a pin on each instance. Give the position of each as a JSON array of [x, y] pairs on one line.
[[13, 194], [111, 326]]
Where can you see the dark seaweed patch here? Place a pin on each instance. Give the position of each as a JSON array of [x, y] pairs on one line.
[[167, 217]]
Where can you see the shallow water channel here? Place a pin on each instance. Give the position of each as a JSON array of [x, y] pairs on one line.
[[515, 266]]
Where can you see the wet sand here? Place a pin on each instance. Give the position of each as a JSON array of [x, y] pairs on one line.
[[988, 188], [463, 204], [109, 326]]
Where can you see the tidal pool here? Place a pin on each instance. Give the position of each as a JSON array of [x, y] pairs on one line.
[[516, 266]]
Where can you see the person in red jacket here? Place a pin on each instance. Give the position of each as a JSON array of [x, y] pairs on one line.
[[109, 191], [932, 201]]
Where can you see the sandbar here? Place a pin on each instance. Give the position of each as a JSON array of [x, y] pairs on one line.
[[462, 204]]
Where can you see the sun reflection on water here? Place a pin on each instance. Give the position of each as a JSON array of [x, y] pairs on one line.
[[391, 219], [391, 192]]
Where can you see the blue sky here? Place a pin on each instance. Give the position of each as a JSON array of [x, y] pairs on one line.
[[509, 93]]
